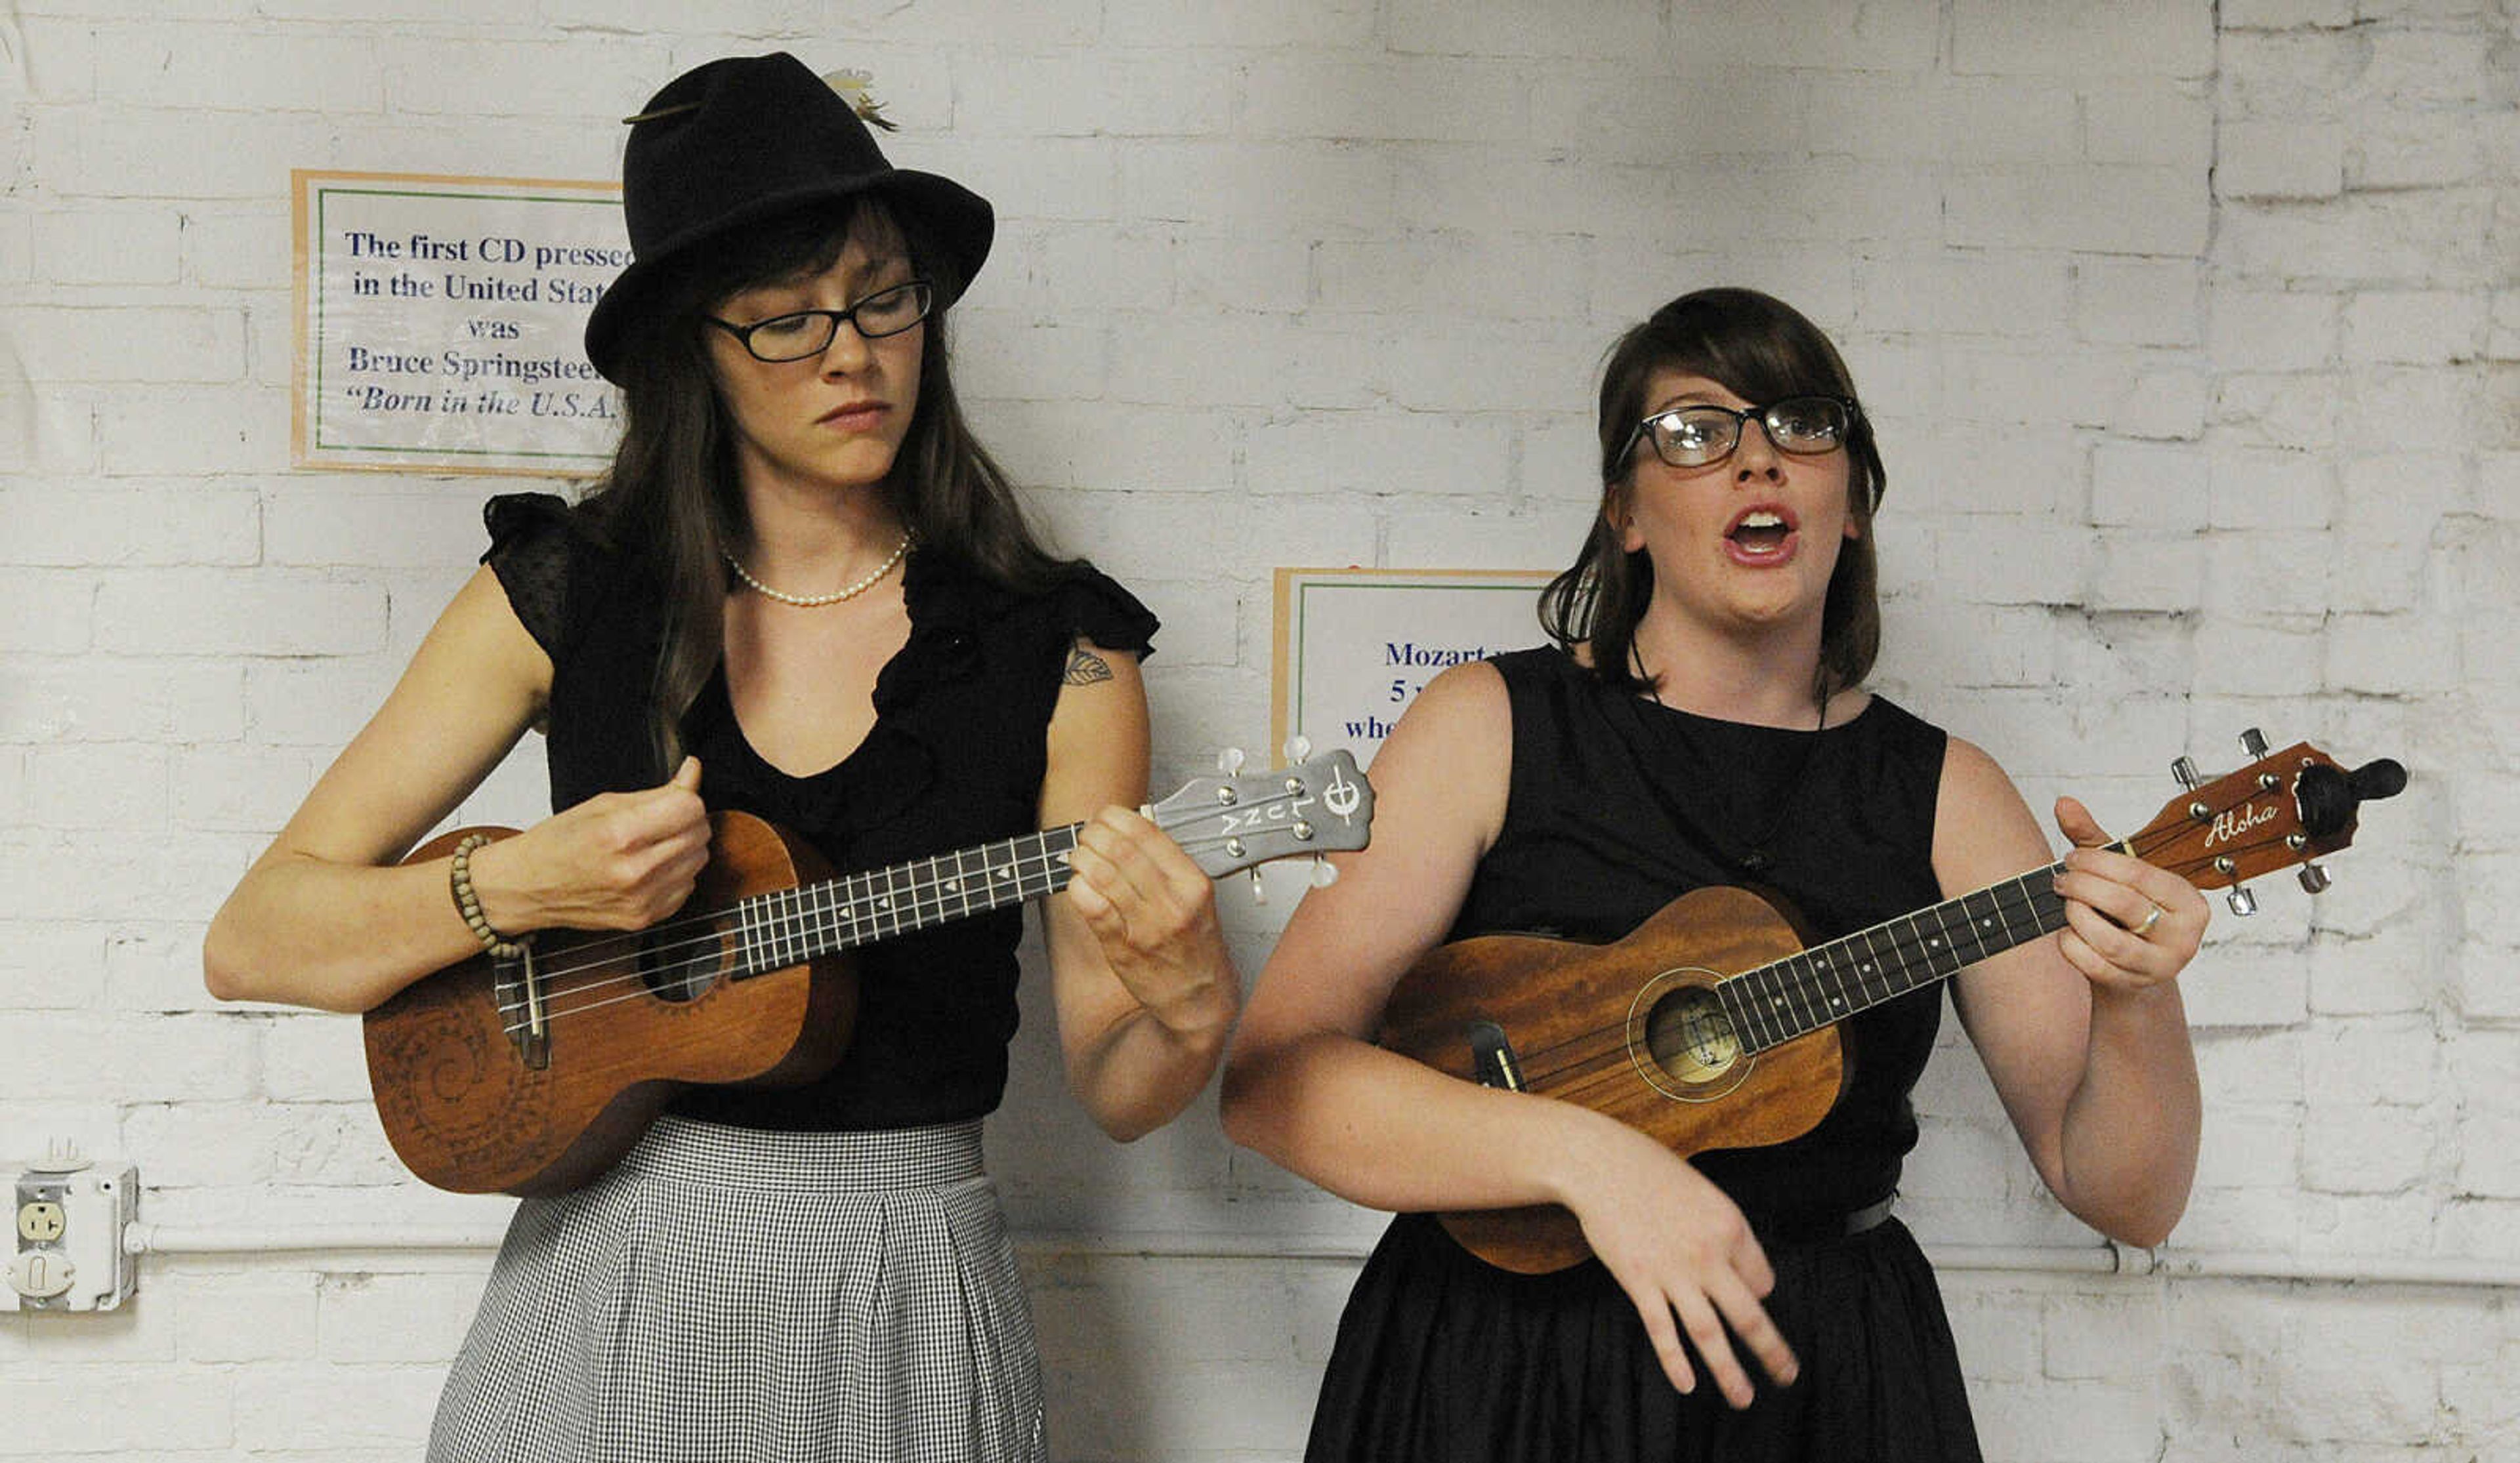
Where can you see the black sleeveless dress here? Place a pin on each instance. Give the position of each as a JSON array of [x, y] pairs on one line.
[[1616, 806]]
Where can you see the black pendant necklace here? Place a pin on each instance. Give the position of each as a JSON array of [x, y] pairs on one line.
[[1756, 858]]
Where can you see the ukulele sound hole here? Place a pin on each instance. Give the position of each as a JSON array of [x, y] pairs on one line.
[[1690, 1037], [677, 964]]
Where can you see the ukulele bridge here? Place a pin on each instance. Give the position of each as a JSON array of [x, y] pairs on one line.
[[520, 989], [1492, 1059]]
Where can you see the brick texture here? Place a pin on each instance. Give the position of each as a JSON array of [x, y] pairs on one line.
[[2191, 330]]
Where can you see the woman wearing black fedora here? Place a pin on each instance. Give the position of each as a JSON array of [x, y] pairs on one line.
[[801, 591]]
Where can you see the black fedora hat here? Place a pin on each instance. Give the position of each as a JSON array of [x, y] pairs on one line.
[[743, 139]]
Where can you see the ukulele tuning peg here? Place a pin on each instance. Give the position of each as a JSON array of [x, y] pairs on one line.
[[2314, 879], [2374, 781], [2242, 902], [1259, 890], [1324, 872], [1230, 761], [2254, 742], [1298, 748], [2184, 769], [2329, 798]]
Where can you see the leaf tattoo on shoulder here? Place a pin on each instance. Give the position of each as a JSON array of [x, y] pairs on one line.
[[1084, 668]]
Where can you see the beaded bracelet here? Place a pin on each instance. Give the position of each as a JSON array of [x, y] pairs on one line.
[[459, 880]]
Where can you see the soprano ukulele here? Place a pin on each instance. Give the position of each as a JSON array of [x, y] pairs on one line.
[[532, 1075], [1710, 1026]]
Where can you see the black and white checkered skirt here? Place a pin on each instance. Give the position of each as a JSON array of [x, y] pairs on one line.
[[726, 1294]]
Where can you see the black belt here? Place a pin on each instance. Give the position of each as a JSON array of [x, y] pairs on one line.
[[1814, 1228]]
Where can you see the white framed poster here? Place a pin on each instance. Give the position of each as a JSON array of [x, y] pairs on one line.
[[439, 322], [1354, 647]]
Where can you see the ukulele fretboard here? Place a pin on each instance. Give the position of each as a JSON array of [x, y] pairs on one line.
[[1810, 988], [790, 926]]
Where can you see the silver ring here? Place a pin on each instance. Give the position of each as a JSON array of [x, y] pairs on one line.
[[2150, 920]]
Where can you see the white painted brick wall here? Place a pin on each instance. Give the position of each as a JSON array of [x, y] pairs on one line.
[[2191, 331]]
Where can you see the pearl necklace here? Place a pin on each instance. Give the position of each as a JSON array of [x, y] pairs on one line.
[[811, 602]]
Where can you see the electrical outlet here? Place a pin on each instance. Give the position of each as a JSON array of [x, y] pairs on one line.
[[41, 1221], [72, 1214], [40, 1275]]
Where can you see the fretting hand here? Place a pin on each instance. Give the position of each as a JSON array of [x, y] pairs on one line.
[[1153, 914], [2129, 926]]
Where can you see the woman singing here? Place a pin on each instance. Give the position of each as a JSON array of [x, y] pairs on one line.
[[1700, 720]]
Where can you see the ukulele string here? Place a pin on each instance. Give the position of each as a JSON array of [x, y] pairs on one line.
[[685, 975], [689, 970], [615, 945], [599, 950], [1599, 1056], [1605, 1055], [1595, 1045]]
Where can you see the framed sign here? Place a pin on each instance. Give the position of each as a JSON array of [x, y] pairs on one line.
[[439, 320], [1354, 647]]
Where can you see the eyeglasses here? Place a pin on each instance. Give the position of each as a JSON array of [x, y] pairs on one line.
[[809, 332], [1702, 434]]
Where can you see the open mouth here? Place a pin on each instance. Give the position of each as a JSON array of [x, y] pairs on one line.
[[1761, 533]]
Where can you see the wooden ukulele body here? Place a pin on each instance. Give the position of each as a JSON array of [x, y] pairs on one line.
[[474, 1103], [1623, 1029]]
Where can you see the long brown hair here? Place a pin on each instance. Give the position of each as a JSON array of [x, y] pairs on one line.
[[670, 500], [1763, 350]]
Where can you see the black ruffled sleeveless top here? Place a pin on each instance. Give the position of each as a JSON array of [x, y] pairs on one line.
[[1619, 805], [955, 758]]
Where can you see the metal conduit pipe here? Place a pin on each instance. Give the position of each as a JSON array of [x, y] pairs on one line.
[[2104, 1259]]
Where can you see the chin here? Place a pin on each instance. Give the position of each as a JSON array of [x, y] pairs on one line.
[[856, 468]]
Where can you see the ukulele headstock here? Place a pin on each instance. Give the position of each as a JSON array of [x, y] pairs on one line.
[[1237, 819], [2286, 808]]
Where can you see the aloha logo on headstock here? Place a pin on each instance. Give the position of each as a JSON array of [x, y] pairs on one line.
[[2229, 825], [2284, 809]]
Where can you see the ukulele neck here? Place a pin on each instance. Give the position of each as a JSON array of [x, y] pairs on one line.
[[1810, 988], [790, 926]]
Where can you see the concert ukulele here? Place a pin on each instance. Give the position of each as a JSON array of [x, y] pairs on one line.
[[1711, 1025], [532, 1075]]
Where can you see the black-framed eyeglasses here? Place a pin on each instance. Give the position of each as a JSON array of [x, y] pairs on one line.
[[1702, 434], [800, 333]]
